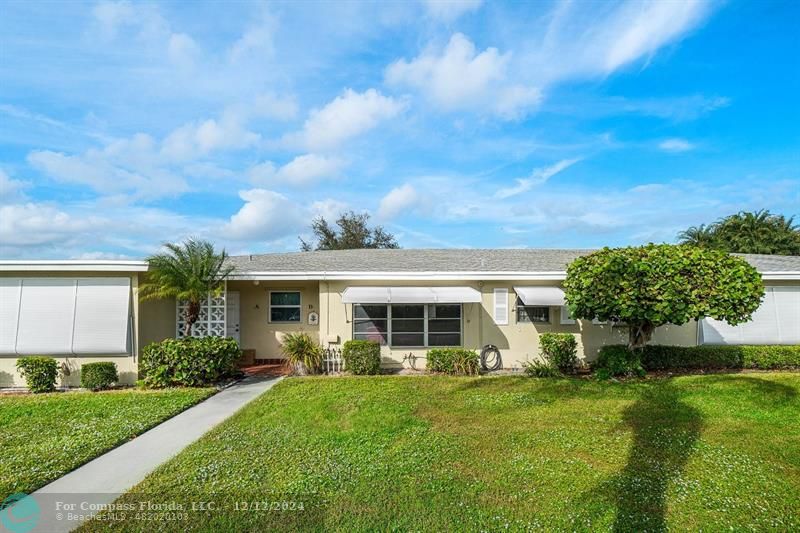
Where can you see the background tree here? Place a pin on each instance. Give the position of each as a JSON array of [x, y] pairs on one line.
[[747, 233], [353, 232], [650, 286], [188, 272]]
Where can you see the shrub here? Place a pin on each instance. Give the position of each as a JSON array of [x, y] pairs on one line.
[[541, 369], [453, 361], [98, 376], [303, 354], [766, 357], [362, 357], [39, 372], [188, 362], [560, 350], [616, 360]]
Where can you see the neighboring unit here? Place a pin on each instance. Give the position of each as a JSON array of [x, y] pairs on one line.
[[408, 300]]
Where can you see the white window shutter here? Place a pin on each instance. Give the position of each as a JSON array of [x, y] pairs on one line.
[[776, 321], [565, 318], [46, 316], [787, 309], [501, 307], [10, 290], [102, 317]]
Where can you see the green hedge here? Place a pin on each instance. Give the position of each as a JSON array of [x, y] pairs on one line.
[[766, 357], [618, 360], [560, 350], [39, 372], [98, 376], [362, 357], [188, 362], [453, 361]]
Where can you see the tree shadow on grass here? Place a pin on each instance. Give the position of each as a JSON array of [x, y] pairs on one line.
[[665, 430]]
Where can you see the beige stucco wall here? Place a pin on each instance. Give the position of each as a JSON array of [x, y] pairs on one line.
[[256, 331], [69, 375], [518, 342]]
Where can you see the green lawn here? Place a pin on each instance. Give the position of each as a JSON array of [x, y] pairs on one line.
[[435, 453], [44, 436]]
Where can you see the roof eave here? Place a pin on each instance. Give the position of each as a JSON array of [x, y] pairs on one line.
[[73, 265], [410, 276]]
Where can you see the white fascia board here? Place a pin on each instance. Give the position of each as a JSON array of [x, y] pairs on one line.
[[790, 275], [399, 276], [76, 265]]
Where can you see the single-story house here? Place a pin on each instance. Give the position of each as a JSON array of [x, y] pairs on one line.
[[409, 300]]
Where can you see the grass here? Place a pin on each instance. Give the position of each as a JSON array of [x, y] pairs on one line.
[[44, 436], [441, 453]]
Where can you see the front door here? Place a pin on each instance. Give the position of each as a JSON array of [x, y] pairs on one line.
[[232, 300]]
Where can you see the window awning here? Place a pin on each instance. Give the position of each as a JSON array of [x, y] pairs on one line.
[[410, 295], [544, 296]]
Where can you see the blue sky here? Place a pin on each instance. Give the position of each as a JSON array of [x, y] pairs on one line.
[[454, 124]]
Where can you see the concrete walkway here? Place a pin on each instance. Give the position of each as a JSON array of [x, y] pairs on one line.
[[104, 479]]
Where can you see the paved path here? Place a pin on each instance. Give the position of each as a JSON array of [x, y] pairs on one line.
[[103, 479]]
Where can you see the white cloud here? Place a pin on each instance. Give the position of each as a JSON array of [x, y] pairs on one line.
[[97, 170], [676, 145], [574, 41], [257, 41], [182, 50], [537, 177], [449, 10], [270, 105], [458, 77], [348, 115], [32, 224], [109, 16], [398, 200], [302, 170], [642, 28], [329, 209], [198, 138], [265, 215], [10, 189]]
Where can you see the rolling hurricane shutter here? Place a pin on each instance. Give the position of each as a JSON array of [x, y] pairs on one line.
[[10, 289], [102, 311], [501, 306], [46, 315], [787, 307], [776, 321]]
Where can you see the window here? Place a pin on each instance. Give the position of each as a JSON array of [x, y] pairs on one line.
[[371, 323], [408, 325], [284, 306], [444, 325], [532, 313]]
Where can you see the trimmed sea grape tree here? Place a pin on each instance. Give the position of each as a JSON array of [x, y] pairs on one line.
[[650, 286]]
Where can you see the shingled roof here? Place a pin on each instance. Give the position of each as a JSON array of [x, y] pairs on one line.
[[446, 261]]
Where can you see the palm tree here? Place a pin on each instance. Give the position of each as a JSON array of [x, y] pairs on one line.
[[759, 233], [188, 272], [701, 235]]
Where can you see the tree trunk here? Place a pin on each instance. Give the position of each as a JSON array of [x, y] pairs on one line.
[[639, 334], [192, 315]]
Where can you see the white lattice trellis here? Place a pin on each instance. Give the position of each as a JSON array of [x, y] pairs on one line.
[[211, 322]]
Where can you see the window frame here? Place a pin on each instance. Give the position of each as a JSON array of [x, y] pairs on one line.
[[425, 333], [299, 307], [520, 308]]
